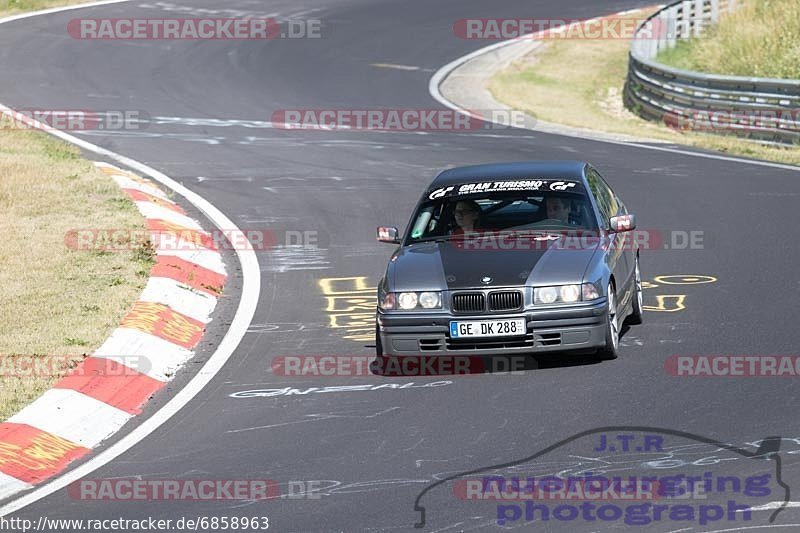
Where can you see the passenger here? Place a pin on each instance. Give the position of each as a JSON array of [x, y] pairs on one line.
[[558, 208]]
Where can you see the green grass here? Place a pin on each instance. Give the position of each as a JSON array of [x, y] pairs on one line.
[[590, 77], [677, 56], [761, 38]]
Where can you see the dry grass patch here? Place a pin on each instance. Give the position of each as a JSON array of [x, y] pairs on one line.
[[57, 300], [760, 39], [579, 83]]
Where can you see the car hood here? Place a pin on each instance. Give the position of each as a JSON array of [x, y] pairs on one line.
[[447, 266]]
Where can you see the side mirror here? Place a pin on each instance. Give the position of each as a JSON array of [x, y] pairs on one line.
[[623, 223], [388, 234]]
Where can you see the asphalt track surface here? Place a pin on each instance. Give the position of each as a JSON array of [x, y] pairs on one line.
[[374, 451]]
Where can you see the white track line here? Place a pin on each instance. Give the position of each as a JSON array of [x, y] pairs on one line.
[[251, 288], [440, 75], [773, 505]]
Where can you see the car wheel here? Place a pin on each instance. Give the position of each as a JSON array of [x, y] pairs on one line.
[[637, 312], [378, 343], [609, 351]]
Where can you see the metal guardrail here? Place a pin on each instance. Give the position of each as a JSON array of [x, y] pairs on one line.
[[765, 109]]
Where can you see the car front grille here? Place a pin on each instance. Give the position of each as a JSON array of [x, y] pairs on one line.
[[505, 301], [469, 302]]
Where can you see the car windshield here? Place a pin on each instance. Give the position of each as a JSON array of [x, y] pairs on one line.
[[521, 212]]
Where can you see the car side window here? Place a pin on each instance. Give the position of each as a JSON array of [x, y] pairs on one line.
[[622, 209], [613, 201], [606, 202]]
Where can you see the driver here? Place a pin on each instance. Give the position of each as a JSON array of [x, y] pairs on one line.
[[466, 215]]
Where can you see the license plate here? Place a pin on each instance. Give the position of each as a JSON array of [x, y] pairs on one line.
[[506, 327]]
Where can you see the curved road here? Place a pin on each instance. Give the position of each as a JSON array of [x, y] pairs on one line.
[[373, 451]]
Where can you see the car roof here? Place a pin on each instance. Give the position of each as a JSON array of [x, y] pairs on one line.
[[522, 169]]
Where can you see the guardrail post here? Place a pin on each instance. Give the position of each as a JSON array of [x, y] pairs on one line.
[[714, 11], [697, 16], [652, 48], [672, 27], [685, 20]]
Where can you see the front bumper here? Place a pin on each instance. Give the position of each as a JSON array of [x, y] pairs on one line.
[[554, 329]]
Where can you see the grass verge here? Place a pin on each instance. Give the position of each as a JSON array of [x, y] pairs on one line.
[[15, 7], [57, 301], [757, 39], [579, 83]]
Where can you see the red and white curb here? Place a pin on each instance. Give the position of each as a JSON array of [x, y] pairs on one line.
[[99, 396]]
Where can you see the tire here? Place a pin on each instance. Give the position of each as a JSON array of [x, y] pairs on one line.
[[637, 314], [378, 343], [610, 350]]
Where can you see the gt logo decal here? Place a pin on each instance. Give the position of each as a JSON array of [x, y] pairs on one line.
[[438, 193], [561, 186]]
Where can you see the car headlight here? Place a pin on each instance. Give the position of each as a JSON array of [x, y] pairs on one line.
[[565, 293], [545, 295], [429, 300], [408, 301], [570, 293]]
